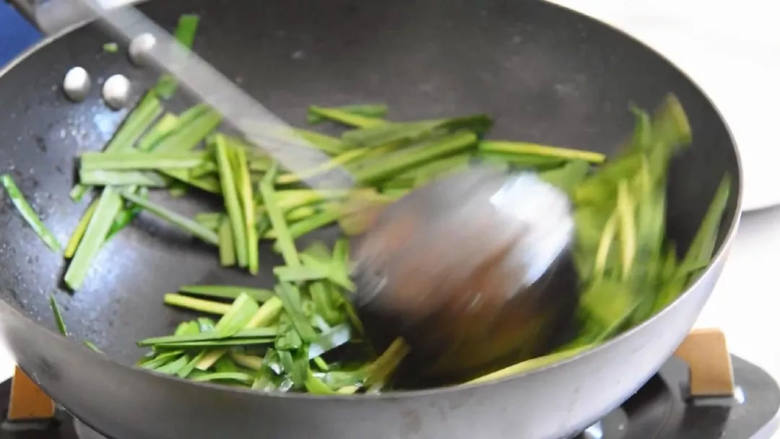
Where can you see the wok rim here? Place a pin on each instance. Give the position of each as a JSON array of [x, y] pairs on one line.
[[717, 259]]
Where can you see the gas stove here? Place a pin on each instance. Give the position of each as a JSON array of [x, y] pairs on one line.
[[661, 409]]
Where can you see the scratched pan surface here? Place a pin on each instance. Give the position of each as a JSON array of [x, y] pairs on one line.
[[545, 73]]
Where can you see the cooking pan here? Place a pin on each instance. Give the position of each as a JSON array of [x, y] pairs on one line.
[[546, 73]]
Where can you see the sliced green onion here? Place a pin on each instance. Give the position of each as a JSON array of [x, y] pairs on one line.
[[78, 232], [345, 117], [230, 195], [443, 146], [328, 144], [101, 177], [136, 123], [284, 240], [174, 339], [185, 35], [267, 313], [207, 183], [541, 150], [164, 126], [107, 208], [227, 250], [241, 377], [528, 365], [208, 306], [241, 312], [228, 291], [142, 160], [29, 214], [193, 128], [55, 309], [366, 110], [290, 296], [92, 347], [251, 362], [244, 189], [110, 47], [174, 218]]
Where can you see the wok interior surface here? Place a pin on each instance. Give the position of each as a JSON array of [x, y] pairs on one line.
[[545, 74]]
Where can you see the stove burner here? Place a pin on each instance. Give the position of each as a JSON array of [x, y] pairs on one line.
[[660, 410]]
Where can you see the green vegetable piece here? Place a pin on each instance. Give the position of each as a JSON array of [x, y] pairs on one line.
[[160, 360], [377, 111], [244, 188], [298, 274], [55, 309], [251, 362], [388, 133], [192, 303], [185, 35], [267, 313], [339, 160], [219, 343], [232, 205], [166, 86], [164, 126], [291, 299], [240, 313], [227, 250], [142, 160], [345, 117], [527, 148], [92, 347], [325, 143], [29, 215], [108, 206], [627, 229], [702, 246], [241, 377], [123, 218], [101, 177], [173, 367], [174, 218], [316, 386], [208, 336], [78, 232], [186, 29], [136, 123], [568, 176], [211, 357], [296, 365], [532, 364], [110, 47], [207, 183], [284, 240], [194, 125], [228, 291], [314, 222], [185, 371], [337, 336], [427, 151], [379, 372]]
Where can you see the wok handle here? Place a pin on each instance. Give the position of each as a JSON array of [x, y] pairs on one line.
[[53, 16]]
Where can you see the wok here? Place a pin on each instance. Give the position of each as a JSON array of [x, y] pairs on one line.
[[546, 73]]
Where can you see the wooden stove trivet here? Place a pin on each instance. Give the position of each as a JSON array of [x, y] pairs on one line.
[[28, 401]]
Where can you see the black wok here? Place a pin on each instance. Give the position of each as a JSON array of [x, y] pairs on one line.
[[547, 74]]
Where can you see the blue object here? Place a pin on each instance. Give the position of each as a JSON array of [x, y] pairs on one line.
[[16, 33]]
